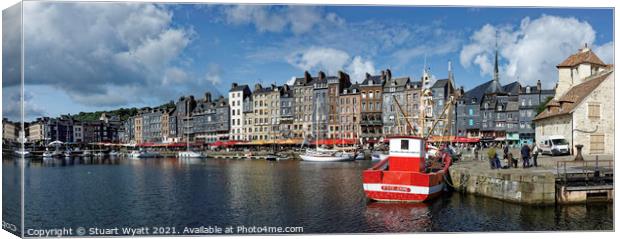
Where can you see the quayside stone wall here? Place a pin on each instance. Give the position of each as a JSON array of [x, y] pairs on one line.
[[513, 185]]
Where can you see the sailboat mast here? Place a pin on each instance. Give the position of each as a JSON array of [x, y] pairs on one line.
[[402, 112]]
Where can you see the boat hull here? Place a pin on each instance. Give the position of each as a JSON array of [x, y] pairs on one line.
[[401, 193], [190, 155], [313, 158]]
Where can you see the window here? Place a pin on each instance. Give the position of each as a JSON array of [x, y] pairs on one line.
[[404, 144], [594, 111], [471, 111], [471, 122], [597, 144]]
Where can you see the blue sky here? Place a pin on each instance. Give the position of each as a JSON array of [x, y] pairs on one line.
[[99, 56]]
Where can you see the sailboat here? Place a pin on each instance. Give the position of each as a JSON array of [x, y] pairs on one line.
[[324, 155], [190, 153]]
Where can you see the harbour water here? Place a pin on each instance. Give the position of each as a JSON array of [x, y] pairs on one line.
[[320, 197]]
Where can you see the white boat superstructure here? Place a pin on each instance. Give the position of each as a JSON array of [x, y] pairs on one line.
[[325, 156], [138, 154], [191, 154], [379, 155], [113, 153], [86, 153]]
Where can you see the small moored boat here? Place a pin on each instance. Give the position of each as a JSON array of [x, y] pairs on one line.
[[191, 154], [137, 154]]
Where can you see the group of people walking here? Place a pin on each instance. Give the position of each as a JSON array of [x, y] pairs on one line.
[[529, 157]]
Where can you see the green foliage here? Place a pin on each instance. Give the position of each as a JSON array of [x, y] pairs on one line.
[[542, 106], [122, 113]]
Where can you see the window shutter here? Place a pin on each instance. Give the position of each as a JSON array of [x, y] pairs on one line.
[[597, 144], [594, 111]]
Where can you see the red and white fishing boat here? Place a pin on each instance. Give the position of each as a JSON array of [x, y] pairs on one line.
[[405, 174]]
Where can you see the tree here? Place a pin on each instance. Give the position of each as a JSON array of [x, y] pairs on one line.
[[543, 105]]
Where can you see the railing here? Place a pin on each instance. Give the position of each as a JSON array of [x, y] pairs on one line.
[[584, 171]]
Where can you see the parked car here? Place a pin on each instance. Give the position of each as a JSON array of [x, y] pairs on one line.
[[554, 145]]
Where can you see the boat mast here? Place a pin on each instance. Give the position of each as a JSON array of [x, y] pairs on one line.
[[404, 115]]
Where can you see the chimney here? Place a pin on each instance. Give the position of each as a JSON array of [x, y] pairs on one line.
[[307, 76], [538, 85], [388, 73], [233, 85], [383, 75], [321, 75], [208, 97], [367, 75]]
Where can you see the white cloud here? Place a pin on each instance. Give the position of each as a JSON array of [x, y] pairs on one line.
[[331, 61], [319, 58], [11, 108], [358, 68], [303, 18], [257, 15], [437, 48], [605, 52], [93, 51], [174, 75], [291, 81], [396, 43], [531, 50], [299, 19], [214, 73]]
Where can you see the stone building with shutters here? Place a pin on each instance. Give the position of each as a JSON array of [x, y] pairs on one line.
[[349, 113], [371, 125], [582, 112]]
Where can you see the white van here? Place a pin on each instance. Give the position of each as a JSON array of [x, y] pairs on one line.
[[554, 145]]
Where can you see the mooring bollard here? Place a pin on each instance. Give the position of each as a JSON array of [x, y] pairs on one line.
[[597, 171], [579, 157]]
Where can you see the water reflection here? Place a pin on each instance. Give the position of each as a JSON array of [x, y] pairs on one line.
[[398, 217], [323, 198]]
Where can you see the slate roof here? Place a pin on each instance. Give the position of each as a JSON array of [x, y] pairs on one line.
[[574, 96], [350, 89], [477, 92], [494, 87], [581, 56], [415, 83], [440, 83], [376, 80], [239, 88], [400, 81], [512, 88]]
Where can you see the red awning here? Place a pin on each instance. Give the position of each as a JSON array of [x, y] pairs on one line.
[[466, 140], [224, 143], [335, 141]]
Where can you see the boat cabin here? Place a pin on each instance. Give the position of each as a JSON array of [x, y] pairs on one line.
[[407, 154]]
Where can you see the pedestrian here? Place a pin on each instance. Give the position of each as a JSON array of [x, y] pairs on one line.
[[506, 150], [535, 154], [493, 159], [514, 161], [525, 154], [491, 154], [476, 151]]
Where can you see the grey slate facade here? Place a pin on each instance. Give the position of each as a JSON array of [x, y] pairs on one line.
[[394, 88]]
